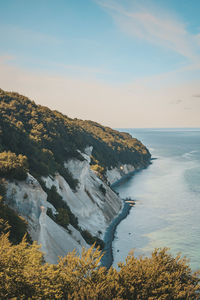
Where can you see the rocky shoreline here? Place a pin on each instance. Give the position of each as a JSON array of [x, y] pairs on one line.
[[107, 259], [109, 236]]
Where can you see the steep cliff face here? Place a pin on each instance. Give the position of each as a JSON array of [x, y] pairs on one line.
[[94, 204], [27, 198], [30, 201], [56, 241], [93, 208]]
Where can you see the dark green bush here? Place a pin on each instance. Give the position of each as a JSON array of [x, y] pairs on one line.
[[50, 213], [62, 217], [90, 239]]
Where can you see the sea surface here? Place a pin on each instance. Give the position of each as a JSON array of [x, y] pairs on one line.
[[167, 194]]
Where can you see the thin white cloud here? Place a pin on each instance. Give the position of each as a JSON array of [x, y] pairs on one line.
[[154, 26]]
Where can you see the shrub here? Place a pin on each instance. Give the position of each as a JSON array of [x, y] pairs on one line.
[[50, 213], [159, 277], [13, 166], [23, 275], [90, 239], [62, 217]]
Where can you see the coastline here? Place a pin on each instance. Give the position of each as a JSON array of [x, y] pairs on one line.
[[107, 259], [109, 236]]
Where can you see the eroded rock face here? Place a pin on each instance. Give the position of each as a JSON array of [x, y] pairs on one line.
[[27, 197], [94, 204], [57, 241], [29, 200], [93, 208]]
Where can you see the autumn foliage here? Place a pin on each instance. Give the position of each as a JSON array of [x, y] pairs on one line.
[[24, 275], [13, 166]]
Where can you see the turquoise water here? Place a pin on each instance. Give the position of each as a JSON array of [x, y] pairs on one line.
[[167, 210]]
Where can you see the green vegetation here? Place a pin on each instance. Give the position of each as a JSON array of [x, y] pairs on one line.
[[112, 147], [48, 138], [92, 239], [23, 275], [13, 166]]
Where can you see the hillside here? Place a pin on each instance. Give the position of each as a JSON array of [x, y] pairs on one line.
[[55, 173], [48, 138]]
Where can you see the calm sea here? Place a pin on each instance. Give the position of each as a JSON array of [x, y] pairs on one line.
[[167, 210]]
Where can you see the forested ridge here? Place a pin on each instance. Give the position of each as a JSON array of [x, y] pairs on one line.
[[48, 138]]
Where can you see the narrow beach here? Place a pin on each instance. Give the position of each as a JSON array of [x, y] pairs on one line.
[[109, 236], [107, 259]]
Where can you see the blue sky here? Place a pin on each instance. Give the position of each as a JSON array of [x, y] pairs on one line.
[[122, 63]]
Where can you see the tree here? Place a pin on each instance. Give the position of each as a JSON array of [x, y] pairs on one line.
[[159, 277], [62, 217], [24, 275], [20, 266], [13, 166]]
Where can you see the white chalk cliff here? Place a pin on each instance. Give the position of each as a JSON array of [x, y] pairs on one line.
[[93, 208]]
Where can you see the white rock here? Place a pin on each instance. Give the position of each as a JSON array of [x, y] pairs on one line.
[[56, 241], [93, 209]]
